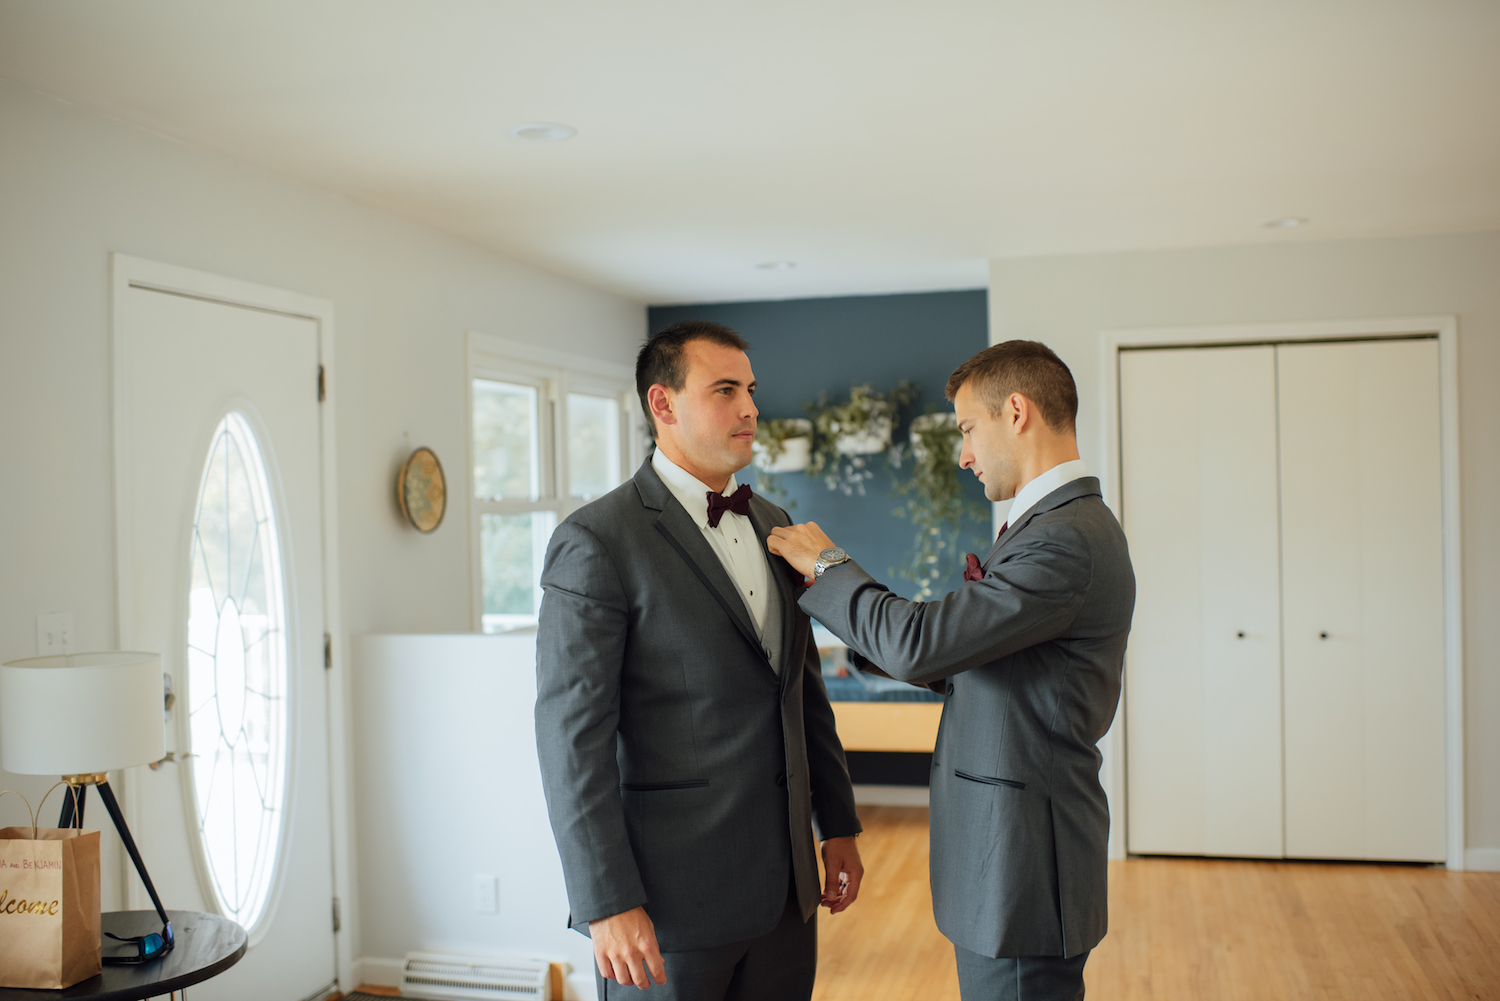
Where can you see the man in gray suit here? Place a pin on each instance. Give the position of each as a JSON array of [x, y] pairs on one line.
[[686, 741], [1029, 652]]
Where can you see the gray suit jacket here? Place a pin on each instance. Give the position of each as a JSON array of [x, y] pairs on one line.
[[1033, 655], [681, 772]]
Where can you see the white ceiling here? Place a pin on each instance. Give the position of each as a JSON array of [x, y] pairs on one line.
[[881, 145]]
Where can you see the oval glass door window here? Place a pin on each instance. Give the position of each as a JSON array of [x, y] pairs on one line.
[[237, 673]]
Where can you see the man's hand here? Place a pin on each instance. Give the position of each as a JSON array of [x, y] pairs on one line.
[[625, 948], [842, 872], [799, 545]]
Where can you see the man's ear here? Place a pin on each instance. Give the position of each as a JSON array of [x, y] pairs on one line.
[[660, 402], [1021, 413]]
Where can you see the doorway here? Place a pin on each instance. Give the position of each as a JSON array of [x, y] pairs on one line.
[[221, 453], [1300, 345]]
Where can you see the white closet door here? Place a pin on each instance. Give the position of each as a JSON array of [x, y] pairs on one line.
[[1362, 578], [1203, 670]]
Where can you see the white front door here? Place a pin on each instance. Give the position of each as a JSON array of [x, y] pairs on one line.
[[221, 552]]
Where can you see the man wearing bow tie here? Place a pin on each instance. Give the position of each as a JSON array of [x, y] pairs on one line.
[[1029, 652], [687, 746]]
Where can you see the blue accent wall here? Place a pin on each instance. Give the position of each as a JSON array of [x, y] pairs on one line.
[[802, 347]]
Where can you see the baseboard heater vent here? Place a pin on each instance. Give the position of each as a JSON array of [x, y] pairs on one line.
[[482, 978]]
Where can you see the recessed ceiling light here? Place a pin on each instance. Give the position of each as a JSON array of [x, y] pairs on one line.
[[1290, 222], [776, 265], [547, 132]]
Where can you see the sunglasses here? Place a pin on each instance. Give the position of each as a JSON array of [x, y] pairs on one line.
[[148, 947]]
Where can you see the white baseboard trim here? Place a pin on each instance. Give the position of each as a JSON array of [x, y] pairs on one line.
[[873, 795], [378, 970], [1482, 860]]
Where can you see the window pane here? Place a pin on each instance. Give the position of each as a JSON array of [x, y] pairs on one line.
[[511, 550], [507, 461], [237, 672], [593, 445]]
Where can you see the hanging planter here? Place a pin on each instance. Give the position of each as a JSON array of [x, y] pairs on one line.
[[783, 446], [848, 433], [869, 439], [936, 432]]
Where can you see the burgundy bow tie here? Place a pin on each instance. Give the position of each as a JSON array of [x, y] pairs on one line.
[[738, 502]]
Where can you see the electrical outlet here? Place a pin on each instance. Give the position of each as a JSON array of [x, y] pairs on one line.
[[54, 633], [486, 895]]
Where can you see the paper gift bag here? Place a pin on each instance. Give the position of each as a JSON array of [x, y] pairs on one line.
[[49, 906]]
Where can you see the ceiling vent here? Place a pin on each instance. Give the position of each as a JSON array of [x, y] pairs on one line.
[[485, 978]]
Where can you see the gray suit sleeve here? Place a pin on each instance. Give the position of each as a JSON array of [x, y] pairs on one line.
[[580, 651], [834, 815], [1028, 598]]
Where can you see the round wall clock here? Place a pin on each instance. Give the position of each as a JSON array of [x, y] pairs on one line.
[[422, 491]]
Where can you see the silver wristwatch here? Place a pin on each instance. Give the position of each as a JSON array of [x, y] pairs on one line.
[[830, 557]]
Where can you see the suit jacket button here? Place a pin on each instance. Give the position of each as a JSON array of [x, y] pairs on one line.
[[950, 688], [781, 779]]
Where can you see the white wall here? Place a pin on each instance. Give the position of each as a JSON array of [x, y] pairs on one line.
[[1067, 301], [449, 788], [74, 187]]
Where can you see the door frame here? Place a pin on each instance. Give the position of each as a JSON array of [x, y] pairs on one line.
[[1111, 342], [127, 272]]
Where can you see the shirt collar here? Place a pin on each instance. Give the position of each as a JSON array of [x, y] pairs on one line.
[[691, 492], [1026, 498]]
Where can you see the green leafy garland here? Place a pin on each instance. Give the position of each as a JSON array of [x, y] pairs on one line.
[[936, 506]]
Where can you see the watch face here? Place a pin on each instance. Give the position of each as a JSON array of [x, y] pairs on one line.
[[833, 555]]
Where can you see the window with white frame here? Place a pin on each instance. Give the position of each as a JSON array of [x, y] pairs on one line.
[[549, 433]]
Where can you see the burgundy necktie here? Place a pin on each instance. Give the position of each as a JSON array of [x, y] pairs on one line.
[[971, 562], [738, 502]]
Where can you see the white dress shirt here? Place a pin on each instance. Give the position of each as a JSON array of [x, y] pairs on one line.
[[734, 541], [1027, 496]]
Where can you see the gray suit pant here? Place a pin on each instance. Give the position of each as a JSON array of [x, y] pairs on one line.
[[777, 966], [1024, 978]]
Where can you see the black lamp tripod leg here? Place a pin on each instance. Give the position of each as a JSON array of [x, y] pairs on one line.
[[110, 804]]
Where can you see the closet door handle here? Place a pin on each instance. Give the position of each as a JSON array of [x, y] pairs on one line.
[[1240, 635], [1322, 636]]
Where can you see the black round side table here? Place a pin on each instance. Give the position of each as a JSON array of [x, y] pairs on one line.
[[206, 946]]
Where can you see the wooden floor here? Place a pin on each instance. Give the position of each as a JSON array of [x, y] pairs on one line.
[[1192, 930], [886, 946]]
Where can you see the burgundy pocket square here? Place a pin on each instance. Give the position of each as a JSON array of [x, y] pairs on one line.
[[971, 570]]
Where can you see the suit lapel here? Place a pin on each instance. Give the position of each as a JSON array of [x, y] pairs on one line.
[[788, 584], [687, 538], [1072, 490]]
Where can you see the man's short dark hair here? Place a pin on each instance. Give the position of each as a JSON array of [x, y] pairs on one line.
[[660, 358], [1026, 367]]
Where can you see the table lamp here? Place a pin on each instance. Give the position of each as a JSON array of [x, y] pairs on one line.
[[81, 716]]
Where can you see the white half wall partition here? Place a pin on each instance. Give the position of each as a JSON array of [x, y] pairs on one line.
[[448, 798]]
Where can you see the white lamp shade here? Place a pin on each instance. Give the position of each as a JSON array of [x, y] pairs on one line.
[[81, 713]]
